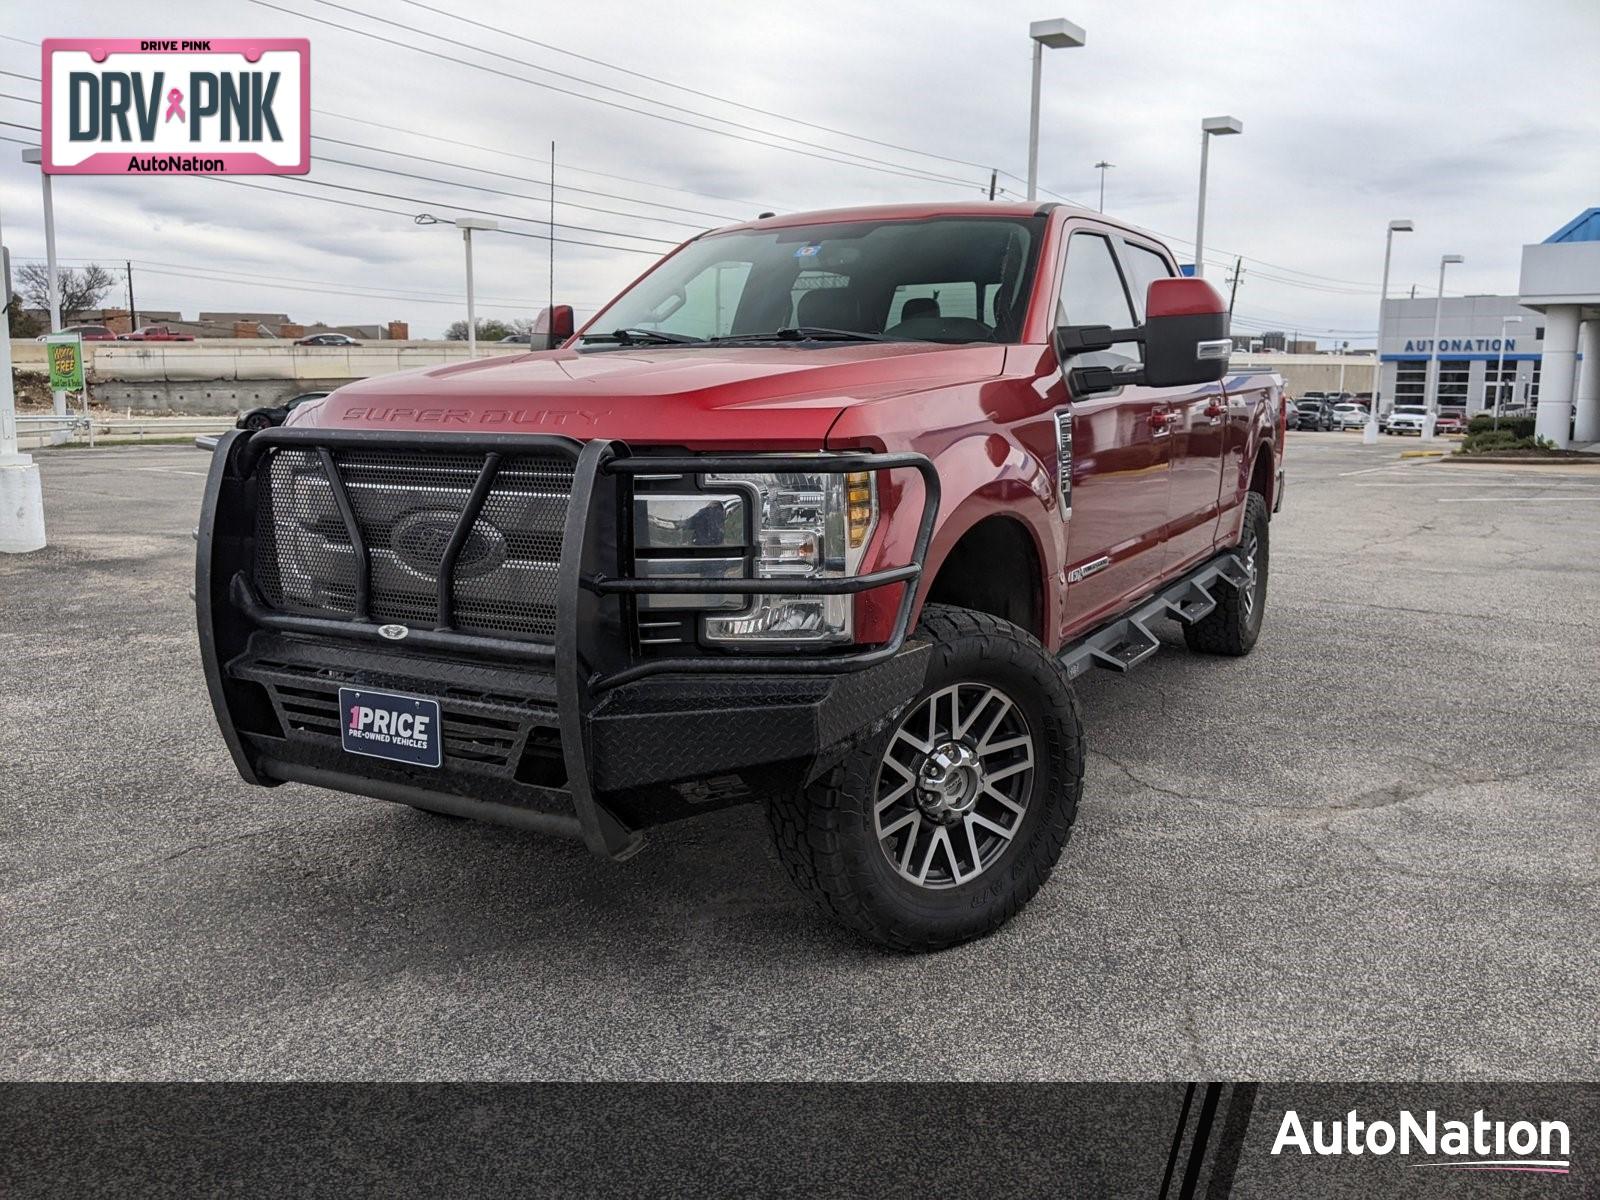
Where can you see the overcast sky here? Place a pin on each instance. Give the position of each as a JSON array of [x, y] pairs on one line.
[[1479, 121]]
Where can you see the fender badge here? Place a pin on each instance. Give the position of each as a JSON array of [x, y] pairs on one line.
[[393, 632]]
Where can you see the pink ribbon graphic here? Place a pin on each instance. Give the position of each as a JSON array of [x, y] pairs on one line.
[[175, 106]]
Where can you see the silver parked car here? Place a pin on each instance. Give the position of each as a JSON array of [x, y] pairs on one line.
[[1349, 416]]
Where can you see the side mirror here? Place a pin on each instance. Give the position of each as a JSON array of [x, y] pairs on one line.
[[1185, 333], [552, 328], [1185, 339]]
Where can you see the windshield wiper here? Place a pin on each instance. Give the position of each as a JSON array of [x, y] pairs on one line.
[[804, 333], [643, 337]]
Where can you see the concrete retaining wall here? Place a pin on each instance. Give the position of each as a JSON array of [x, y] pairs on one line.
[[224, 375]]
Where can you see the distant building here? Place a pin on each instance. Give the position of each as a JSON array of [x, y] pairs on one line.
[[1470, 351]]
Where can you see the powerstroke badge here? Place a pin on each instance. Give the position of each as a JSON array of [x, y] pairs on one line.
[[385, 725], [158, 106]]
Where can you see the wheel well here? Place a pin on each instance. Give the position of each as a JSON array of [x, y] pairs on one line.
[[1261, 475], [994, 569]]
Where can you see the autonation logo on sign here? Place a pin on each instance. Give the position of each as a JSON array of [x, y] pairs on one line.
[[211, 106], [1480, 1144]]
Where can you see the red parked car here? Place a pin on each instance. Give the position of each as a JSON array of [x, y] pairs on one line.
[[155, 333], [824, 511]]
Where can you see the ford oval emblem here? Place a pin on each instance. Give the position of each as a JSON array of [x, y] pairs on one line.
[[393, 632], [420, 540]]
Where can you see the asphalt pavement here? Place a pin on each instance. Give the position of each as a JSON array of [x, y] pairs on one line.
[[1367, 851]]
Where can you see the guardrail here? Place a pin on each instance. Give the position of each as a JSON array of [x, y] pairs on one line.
[[51, 429]]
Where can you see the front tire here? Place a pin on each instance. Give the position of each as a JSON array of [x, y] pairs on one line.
[[940, 828], [1234, 625]]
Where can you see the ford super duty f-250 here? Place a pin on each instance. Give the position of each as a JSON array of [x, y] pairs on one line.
[[824, 511]]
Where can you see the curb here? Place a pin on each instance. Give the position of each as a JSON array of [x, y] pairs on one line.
[[1584, 463], [1423, 453]]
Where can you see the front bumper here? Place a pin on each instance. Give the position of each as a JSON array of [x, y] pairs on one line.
[[581, 736]]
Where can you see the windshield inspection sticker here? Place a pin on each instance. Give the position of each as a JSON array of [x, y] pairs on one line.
[[384, 725], [810, 251]]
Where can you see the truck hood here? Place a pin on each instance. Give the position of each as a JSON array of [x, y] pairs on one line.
[[709, 398]]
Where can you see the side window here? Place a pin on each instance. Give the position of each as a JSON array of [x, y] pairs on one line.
[[1144, 267], [1092, 293], [709, 302]]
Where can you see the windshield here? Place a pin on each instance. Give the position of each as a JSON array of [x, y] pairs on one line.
[[1410, 410], [949, 279]]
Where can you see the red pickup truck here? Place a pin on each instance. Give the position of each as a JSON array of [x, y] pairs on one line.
[[824, 511]]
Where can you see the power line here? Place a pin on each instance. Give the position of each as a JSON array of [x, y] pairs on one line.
[[457, 17], [844, 162], [472, 187], [678, 108], [503, 153]]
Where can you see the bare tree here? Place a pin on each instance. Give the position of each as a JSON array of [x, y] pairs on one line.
[[79, 290]]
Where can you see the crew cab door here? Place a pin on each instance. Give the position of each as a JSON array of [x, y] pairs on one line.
[[1197, 424], [1121, 446]]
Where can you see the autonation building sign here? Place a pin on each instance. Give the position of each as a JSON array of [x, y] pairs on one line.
[[1490, 347], [207, 106]]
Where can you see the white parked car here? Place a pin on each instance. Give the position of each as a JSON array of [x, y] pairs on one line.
[[1349, 416], [1404, 419]]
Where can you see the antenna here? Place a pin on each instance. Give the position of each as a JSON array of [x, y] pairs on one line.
[[552, 230]]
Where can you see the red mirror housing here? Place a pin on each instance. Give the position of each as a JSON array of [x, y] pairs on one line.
[[1185, 334], [553, 327], [1182, 298]]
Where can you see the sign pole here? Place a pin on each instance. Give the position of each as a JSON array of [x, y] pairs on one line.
[[21, 500]]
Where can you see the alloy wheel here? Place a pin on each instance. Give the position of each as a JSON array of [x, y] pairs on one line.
[[953, 785]]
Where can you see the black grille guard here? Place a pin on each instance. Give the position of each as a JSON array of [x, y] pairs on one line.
[[592, 649]]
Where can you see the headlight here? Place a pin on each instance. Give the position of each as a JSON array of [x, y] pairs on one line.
[[805, 526]]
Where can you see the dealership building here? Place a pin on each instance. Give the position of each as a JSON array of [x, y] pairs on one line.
[[1539, 348], [1470, 349]]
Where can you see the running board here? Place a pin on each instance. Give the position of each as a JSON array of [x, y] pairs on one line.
[[1126, 642]]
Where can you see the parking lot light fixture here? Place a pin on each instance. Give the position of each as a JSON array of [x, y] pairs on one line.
[[33, 155], [1209, 128], [1058, 34], [1431, 417], [1369, 433], [1500, 365], [466, 225]]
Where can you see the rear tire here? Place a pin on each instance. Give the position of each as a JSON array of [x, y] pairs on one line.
[[1234, 625], [940, 828]]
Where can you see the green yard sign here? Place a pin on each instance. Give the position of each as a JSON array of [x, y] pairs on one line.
[[65, 351]]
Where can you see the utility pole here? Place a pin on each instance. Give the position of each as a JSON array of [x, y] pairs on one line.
[[994, 179], [1238, 270], [133, 313]]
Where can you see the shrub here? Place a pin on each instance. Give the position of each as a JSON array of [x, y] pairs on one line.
[[1491, 441], [1484, 422]]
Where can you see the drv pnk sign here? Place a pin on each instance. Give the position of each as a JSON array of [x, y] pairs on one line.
[[207, 106]]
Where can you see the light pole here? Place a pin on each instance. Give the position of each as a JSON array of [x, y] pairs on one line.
[[31, 154], [466, 225], [1500, 365], [1431, 417], [21, 501], [1058, 35], [1369, 432], [1103, 167], [1211, 126]]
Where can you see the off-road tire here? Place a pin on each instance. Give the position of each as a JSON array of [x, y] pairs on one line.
[[1234, 625], [827, 839]]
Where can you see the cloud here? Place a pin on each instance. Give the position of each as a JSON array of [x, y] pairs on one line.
[[1484, 128]]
